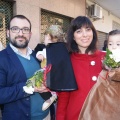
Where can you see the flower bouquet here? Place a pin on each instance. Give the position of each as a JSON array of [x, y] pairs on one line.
[[112, 63], [37, 79], [112, 59]]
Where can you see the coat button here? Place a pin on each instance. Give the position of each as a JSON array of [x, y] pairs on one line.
[[94, 78], [92, 63], [27, 98]]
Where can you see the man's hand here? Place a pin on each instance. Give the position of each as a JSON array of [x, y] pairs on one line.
[[41, 89]]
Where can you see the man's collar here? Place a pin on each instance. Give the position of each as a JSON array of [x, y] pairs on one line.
[[29, 51]]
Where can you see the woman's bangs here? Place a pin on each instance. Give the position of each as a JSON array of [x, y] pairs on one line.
[[87, 25]]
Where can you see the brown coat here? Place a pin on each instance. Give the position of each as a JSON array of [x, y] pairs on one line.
[[103, 101]]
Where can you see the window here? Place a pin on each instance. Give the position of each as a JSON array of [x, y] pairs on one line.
[[49, 18]]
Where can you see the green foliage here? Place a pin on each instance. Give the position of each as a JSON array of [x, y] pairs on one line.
[[37, 79]]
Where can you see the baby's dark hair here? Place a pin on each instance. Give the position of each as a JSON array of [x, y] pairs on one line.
[[114, 32]]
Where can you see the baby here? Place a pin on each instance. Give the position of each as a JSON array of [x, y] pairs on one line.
[[102, 103], [53, 34]]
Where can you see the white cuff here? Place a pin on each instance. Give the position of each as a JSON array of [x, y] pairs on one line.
[[39, 53], [28, 90]]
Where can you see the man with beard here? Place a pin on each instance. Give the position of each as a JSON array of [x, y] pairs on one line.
[[17, 64]]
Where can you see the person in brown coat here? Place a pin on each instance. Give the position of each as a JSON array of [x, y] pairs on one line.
[[103, 101]]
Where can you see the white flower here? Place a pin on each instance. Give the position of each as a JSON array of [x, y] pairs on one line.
[[111, 56], [115, 55]]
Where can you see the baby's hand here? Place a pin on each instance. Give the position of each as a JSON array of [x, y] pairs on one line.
[[40, 57]]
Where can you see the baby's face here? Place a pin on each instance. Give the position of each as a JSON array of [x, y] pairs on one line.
[[47, 39], [114, 42]]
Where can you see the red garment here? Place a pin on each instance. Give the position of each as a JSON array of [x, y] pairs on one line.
[[70, 103]]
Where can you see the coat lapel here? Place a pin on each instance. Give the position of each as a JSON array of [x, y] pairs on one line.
[[15, 60]]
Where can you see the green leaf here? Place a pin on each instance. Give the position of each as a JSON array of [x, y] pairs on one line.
[[36, 79]]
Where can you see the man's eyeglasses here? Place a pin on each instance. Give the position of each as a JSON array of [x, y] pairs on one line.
[[25, 30]]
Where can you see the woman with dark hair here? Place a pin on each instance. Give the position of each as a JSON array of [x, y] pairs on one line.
[[87, 64]]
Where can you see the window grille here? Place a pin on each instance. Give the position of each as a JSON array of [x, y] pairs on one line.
[[5, 15]]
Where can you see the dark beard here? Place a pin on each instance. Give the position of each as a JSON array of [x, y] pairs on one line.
[[15, 44]]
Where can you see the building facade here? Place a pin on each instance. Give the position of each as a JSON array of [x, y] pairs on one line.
[[43, 13]]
